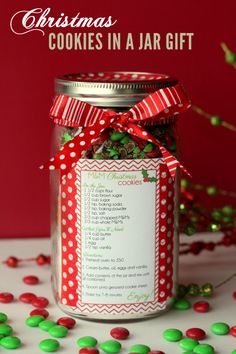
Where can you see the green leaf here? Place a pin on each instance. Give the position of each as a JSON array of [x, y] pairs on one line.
[[144, 173]]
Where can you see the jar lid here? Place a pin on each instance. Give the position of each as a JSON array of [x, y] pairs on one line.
[[112, 89]]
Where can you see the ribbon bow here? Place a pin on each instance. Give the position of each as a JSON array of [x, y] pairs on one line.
[[157, 107]]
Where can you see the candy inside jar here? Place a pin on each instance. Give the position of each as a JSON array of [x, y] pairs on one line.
[[117, 145], [115, 194]]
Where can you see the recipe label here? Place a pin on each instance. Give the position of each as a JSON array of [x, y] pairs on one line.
[[122, 229], [118, 237]]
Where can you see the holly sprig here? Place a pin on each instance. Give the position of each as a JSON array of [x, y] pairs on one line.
[[147, 178]]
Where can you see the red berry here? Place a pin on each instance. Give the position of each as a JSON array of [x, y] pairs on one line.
[[12, 262], [40, 312], [67, 322], [195, 333], [119, 333], [234, 295], [6, 298], [41, 259], [89, 350], [27, 297], [40, 302], [146, 179], [233, 331], [201, 306], [31, 280]]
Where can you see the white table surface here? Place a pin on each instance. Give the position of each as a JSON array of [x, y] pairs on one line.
[[208, 266]]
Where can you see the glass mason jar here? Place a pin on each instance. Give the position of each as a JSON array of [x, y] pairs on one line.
[[115, 211]]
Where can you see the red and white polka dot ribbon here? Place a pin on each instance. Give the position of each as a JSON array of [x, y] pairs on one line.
[[159, 106]]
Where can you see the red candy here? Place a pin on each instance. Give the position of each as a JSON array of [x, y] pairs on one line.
[[119, 333], [27, 297], [201, 306], [234, 295], [67, 322], [40, 312], [195, 333], [40, 302], [31, 280], [88, 350], [6, 298], [233, 331], [156, 352]]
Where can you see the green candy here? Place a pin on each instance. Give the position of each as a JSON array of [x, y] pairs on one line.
[[139, 348], [46, 325], [116, 136], [10, 342], [182, 304], [188, 343], [58, 331], [3, 317], [172, 335], [125, 140], [88, 341], [49, 345], [34, 321], [204, 349], [220, 328], [234, 351], [5, 330], [66, 137], [148, 148], [111, 346]]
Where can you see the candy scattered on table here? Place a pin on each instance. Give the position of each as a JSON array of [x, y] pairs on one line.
[[172, 335], [182, 304], [34, 321], [88, 350], [49, 345], [27, 297], [58, 331], [41, 312], [87, 341], [204, 349], [232, 331], [195, 333], [188, 343], [31, 280], [10, 342], [201, 306], [5, 330], [139, 348], [3, 317], [119, 333], [111, 346], [6, 298], [68, 322], [46, 325], [220, 328], [40, 302]]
